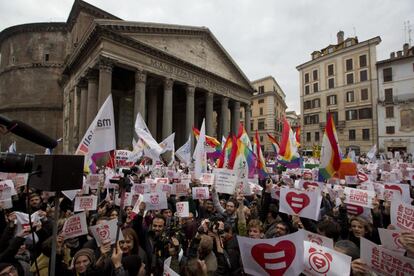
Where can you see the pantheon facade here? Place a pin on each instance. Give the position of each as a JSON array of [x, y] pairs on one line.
[[55, 77]]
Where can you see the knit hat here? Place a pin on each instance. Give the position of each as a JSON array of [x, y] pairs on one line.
[[85, 252]]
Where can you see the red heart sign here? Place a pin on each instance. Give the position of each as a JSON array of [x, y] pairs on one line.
[[393, 187], [354, 209], [180, 207], [275, 260], [297, 201], [397, 240], [154, 199], [307, 184]]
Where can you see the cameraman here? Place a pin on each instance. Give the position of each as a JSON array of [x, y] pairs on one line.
[[229, 214]]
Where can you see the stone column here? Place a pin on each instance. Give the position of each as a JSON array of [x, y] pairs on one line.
[[83, 85], [247, 119], [167, 108], [189, 122], [92, 106], [235, 117], [224, 118], [209, 113], [152, 110], [76, 121], [105, 79], [139, 101]]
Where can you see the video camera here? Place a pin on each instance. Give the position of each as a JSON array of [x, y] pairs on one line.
[[47, 172]]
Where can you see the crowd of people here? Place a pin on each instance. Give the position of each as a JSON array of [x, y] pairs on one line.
[[203, 243]]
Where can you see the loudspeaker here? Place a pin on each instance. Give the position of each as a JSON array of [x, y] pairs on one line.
[[57, 172]]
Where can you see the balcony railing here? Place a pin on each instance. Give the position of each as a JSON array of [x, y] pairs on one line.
[[406, 98]]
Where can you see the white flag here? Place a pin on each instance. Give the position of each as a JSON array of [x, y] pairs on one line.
[[200, 156], [100, 136], [12, 148], [168, 150], [184, 153], [139, 124], [278, 256], [372, 152], [151, 149]]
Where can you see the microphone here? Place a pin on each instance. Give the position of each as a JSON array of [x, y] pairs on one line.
[[29, 133]]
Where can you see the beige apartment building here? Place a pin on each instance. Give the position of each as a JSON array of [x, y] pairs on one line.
[[342, 79], [267, 110]]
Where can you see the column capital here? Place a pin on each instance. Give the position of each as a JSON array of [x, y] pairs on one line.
[[82, 83], [168, 83], [209, 94], [140, 76], [247, 106], [190, 89], [224, 100], [91, 74], [105, 64]]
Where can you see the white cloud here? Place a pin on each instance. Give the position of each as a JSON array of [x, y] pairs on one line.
[[264, 37]]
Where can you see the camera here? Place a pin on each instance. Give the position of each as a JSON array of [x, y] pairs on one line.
[[18, 163]]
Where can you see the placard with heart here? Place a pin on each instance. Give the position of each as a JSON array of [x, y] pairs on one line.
[[395, 191], [106, 231], [155, 201], [321, 260], [278, 256], [318, 239], [302, 203], [390, 239], [183, 210], [310, 184], [200, 193]]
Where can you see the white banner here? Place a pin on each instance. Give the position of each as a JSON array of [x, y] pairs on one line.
[[183, 210], [155, 201], [384, 261], [321, 260], [278, 256], [225, 181], [402, 215], [359, 197], [200, 155], [184, 153], [75, 226], [200, 193], [302, 203], [85, 203], [106, 231]]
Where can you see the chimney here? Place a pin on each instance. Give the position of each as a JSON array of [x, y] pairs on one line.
[[405, 49], [399, 54], [340, 36], [392, 55]]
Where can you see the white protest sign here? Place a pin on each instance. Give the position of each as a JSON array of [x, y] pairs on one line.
[[181, 188], [359, 197], [122, 158], [162, 187], [275, 192], [20, 179], [183, 210], [163, 180], [155, 201], [75, 226], [302, 203], [397, 192], [85, 203], [207, 179], [390, 239], [318, 239], [127, 199], [277, 256], [308, 184], [105, 231], [321, 260], [7, 186], [93, 180], [384, 261], [142, 188], [200, 193], [225, 181], [402, 215], [167, 270], [6, 203], [70, 194], [137, 204]]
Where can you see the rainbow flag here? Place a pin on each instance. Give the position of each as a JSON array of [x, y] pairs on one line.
[[212, 146], [274, 143], [245, 160], [288, 153], [260, 164], [228, 154], [330, 152], [244, 137]]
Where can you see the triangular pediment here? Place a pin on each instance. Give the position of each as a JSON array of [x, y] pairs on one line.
[[192, 44]]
